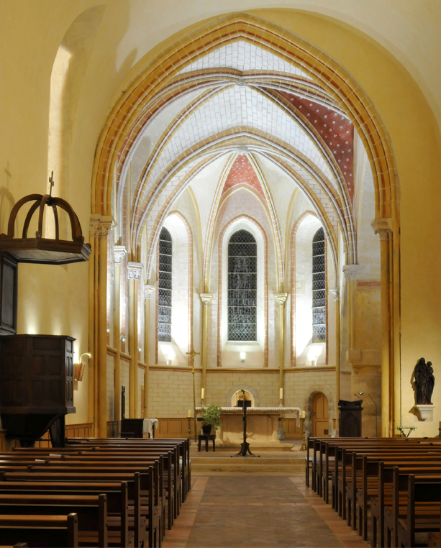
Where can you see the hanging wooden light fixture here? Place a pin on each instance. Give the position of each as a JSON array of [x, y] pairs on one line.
[[42, 250]]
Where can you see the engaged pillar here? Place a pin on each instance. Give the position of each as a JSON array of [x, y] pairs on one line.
[[383, 228], [134, 273], [100, 227], [119, 254], [148, 290], [205, 298], [281, 299]]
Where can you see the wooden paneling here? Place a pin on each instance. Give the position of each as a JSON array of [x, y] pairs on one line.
[[173, 427], [292, 431], [8, 294], [113, 428], [320, 416]]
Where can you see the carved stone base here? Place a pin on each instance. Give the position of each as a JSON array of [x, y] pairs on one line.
[[426, 412]]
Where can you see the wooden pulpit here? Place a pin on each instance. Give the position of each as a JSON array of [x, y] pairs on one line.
[[350, 418], [36, 386]]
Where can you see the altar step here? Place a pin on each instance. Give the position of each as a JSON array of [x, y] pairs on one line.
[[212, 465]]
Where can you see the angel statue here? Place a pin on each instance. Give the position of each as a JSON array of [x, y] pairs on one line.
[[424, 382]]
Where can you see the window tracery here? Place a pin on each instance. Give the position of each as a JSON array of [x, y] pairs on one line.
[[318, 287], [242, 287], [165, 286]]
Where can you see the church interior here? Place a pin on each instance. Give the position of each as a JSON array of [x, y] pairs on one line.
[[221, 207]]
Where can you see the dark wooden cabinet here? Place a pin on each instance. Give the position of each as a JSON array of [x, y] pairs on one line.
[[132, 427], [350, 418], [8, 294], [36, 383]]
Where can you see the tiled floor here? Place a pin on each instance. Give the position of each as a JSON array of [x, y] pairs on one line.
[[257, 511]]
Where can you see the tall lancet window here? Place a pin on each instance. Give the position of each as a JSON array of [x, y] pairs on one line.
[[165, 286], [318, 287], [242, 287]]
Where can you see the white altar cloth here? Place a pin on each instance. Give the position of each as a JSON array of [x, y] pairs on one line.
[[147, 425], [262, 425]]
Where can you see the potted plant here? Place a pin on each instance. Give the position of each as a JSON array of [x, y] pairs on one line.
[[210, 418]]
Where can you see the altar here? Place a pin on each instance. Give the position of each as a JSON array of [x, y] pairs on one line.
[[262, 425]]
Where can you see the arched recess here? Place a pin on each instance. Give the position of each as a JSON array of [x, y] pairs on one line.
[[238, 387], [293, 283], [133, 108], [301, 288], [182, 295], [312, 392], [262, 329], [67, 76], [269, 207]]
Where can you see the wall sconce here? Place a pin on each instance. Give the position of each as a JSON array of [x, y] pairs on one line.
[[79, 369], [122, 338], [314, 353], [243, 356], [108, 330]]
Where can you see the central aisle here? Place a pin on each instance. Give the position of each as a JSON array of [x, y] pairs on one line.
[[257, 511]]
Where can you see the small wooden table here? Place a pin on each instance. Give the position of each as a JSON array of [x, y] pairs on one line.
[[207, 438]]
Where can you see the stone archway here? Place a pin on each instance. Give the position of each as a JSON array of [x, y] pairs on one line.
[[139, 103], [309, 401], [238, 387]]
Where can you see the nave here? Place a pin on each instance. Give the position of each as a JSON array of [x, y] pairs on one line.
[[268, 511]]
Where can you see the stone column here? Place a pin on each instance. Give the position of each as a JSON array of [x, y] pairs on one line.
[[134, 273], [205, 298], [148, 290], [119, 254], [383, 228], [100, 227], [336, 294], [350, 272], [281, 299]]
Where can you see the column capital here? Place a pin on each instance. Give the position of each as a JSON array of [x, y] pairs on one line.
[[134, 270], [119, 253], [148, 291], [101, 225], [281, 298], [350, 271], [382, 226], [336, 293], [205, 298]]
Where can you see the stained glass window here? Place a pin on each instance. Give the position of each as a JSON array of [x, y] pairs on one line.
[[242, 287], [165, 286], [318, 287]]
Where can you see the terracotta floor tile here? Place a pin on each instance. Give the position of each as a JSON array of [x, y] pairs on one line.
[[257, 511]]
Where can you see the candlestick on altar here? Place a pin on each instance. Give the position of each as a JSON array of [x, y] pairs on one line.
[[302, 418], [192, 354]]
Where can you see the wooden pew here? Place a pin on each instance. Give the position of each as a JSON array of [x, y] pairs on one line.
[[142, 516], [182, 444], [40, 531], [106, 463], [117, 497], [352, 466], [91, 512], [165, 456], [422, 512]]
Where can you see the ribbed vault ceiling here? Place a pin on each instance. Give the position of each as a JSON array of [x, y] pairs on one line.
[[308, 140]]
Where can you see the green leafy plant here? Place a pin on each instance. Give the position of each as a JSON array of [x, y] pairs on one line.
[[211, 416]]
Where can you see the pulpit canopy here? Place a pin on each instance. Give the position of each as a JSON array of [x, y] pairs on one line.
[[43, 250]]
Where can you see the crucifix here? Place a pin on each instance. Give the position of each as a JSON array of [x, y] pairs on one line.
[[192, 354], [52, 182]]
